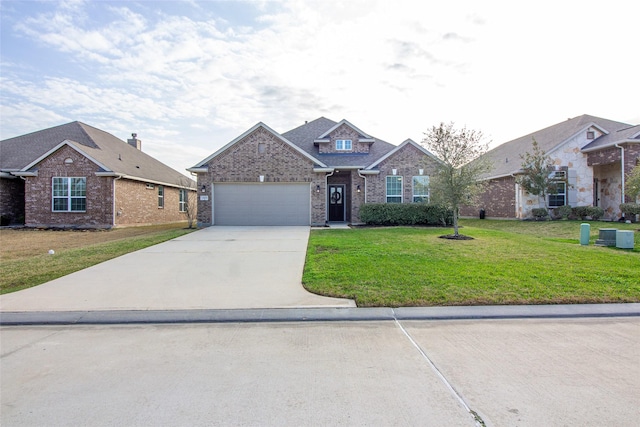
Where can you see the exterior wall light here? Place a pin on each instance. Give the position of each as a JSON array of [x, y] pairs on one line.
[[358, 188], [421, 171], [203, 189], [317, 188], [261, 178], [394, 171]]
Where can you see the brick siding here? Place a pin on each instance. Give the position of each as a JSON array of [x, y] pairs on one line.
[[138, 205], [343, 132], [407, 163], [498, 200], [135, 205], [280, 162], [38, 193]]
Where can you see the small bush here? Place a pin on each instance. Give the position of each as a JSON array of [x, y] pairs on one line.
[[630, 208], [564, 211], [581, 212], [539, 213], [595, 212], [405, 214]]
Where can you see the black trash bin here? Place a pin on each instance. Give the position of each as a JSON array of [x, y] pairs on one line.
[[481, 213]]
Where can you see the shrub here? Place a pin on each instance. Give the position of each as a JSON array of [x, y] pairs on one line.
[[405, 214], [595, 212], [630, 210], [564, 211], [539, 213], [581, 212]]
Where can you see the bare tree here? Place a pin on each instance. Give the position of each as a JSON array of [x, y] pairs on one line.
[[537, 177], [188, 200], [457, 180]]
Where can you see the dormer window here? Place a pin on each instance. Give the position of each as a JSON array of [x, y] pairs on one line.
[[591, 134], [343, 144]]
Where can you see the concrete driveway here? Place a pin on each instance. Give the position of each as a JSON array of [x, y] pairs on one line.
[[213, 268]]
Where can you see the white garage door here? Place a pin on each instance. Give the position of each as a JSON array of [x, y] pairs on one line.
[[262, 204]]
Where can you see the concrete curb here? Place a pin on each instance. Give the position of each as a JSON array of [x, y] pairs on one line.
[[113, 317]]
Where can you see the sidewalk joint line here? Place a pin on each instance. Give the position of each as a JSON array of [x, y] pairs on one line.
[[476, 417]]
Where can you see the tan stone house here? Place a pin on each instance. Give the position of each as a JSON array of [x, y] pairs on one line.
[[75, 175], [322, 171], [591, 157]]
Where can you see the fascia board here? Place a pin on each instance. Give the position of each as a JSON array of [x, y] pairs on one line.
[[347, 167], [198, 170], [400, 147], [137, 178], [612, 144], [573, 135], [247, 133], [68, 143], [344, 122]]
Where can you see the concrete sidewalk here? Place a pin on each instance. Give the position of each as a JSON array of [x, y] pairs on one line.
[[213, 268]]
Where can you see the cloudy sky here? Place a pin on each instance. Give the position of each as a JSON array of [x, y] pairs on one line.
[[189, 76]]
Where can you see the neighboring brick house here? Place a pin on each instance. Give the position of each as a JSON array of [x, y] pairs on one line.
[[75, 175], [322, 171], [587, 154]]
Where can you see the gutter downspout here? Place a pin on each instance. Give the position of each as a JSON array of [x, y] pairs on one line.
[[365, 185], [114, 213], [326, 195], [517, 200], [622, 173]]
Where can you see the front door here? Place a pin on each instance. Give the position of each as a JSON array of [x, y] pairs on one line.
[[336, 202]]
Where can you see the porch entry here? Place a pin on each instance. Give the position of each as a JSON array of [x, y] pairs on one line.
[[336, 202]]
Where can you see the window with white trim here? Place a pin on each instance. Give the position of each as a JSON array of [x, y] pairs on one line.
[[182, 206], [559, 198], [420, 185], [69, 194], [160, 196], [343, 144], [394, 189]]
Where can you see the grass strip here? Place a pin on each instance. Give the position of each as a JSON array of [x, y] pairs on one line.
[[406, 266], [17, 274]]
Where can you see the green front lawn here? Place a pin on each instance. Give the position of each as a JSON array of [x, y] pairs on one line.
[[508, 262]]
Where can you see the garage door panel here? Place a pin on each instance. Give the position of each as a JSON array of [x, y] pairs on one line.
[[261, 204]]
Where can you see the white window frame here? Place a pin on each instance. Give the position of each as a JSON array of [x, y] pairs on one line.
[[182, 203], [561, 182], [394, 196], [344, 145], [423, 197], [69, 195], [160, 196]]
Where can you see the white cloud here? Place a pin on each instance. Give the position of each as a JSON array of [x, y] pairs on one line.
[[392, 68]]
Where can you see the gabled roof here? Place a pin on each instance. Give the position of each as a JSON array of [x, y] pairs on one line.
[[506, 157], [305, 135], [111, 154], [629, 134], [257, 126], [362, 137], [400, 147]]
